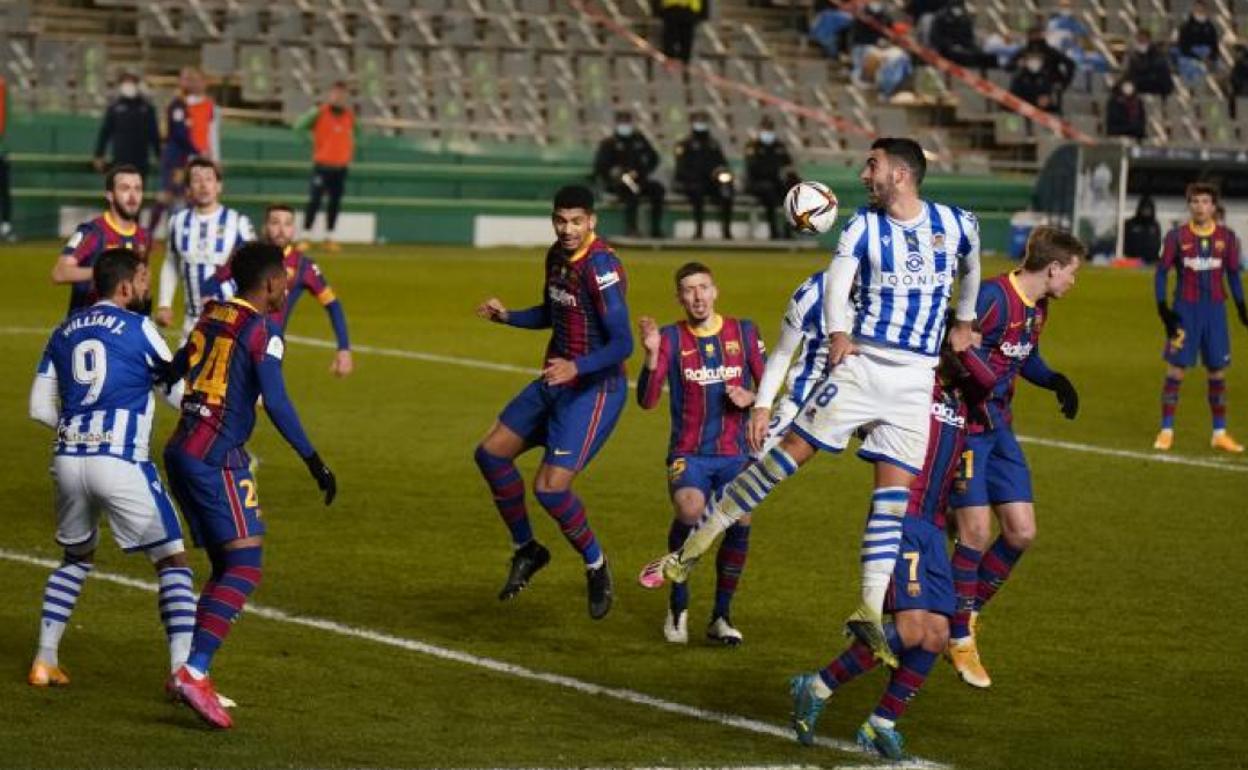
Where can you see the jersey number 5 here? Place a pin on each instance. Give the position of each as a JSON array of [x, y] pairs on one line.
[[213, 378]]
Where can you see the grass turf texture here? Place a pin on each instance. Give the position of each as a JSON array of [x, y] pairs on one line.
[[1116, 644]]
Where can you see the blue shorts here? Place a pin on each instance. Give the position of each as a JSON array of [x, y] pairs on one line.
[[1203, 331], [572, 423], [706, 473], [220, 504], [994, 471], [923, 577]]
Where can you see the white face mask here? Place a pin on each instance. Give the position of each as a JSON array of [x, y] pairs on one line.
[[1200, 17], [1128, 89], [129, 89], [1034, 65], [767, 137], [1141, 47], [624, 129], [699, 126]]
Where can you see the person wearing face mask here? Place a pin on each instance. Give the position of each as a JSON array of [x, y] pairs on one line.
[[1033, 84], [1148, 68], [190, 130], [953, 35], [129, 128], [623, 164], [1198, 44], [333, 128], [1057, 67], [1124, 113], [769, 174], [1142, 233], [702, 172]]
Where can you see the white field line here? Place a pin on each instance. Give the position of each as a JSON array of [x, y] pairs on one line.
[[490, 664], [475, 363]]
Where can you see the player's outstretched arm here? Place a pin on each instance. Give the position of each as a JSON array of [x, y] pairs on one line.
[[281, 412]]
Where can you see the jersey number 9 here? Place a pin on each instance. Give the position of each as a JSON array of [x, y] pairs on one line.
[[90, 368]]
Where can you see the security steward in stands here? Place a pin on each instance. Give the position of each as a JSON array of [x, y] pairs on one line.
[[624, 162], [769, 174], [702, 172]]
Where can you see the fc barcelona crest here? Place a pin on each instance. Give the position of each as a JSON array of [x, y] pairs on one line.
[[732, 347]]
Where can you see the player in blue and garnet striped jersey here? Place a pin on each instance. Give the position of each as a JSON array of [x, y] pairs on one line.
[[1202, 254], [302, 274], [116, 228], [1013, 309], [571, 409], [233, 357], [921, 595], [711, 365]]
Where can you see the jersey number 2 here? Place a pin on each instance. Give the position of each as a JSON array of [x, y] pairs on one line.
[[213, 377]]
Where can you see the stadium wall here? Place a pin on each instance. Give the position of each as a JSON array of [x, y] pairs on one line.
[[418, 191]]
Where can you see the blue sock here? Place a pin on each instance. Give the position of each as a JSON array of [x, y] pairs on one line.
[[220, 605], [729, 564], [678, 599]]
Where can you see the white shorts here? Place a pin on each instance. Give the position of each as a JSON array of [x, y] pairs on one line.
[[886, 395], [782, 415], [140, 513]]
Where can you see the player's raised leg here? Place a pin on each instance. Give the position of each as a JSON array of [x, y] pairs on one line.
[[881, 543], [495, 457]]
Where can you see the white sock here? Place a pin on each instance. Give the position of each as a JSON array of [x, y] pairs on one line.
[[877, 721], [176, 603], [881, 543], [820, 689]]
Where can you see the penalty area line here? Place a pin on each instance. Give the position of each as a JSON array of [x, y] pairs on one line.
[[634, 697]]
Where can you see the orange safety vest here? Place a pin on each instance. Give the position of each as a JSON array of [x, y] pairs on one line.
[[199, 117], [333, 137]]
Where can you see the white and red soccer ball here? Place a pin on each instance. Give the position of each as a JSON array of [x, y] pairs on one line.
[[811, 207]]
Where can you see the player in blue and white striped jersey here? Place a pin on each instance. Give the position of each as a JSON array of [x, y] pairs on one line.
[[201, 239], [895, 265], [798, 361], [94, 386]]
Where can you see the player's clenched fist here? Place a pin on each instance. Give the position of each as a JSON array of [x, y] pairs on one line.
[[493, 310], [741, 397], [163, 316], [559, 371]]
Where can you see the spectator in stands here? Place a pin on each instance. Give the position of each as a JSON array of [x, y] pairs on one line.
[[1239, 78], [769, 174], [1057, 68], [1065, 32], [130, 127], [333, 129], [924, 13], [702, 172], [624, 162], [886, 66], [6, 204], [1033, 83], [864, 35], [953, 36], [1148, 67], [1198, 44], [1124, 112], [180, 140], [1142, 233], [680, 22], [828, 25]]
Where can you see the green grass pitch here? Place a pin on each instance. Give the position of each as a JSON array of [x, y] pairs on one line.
[[1119, 643]]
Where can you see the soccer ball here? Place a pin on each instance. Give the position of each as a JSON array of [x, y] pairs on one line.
[[811, 207]]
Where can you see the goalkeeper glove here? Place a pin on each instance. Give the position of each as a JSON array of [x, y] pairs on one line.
[[325, 480], [1067, 396], [1169, 318]]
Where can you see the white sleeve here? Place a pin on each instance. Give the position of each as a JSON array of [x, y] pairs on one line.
[[245, 230], [841, 275], [969, 272], [169, 274], [45, 404], [777, 365], [173, 396], [157, 348]]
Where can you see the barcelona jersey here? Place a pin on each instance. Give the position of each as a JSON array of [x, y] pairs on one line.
[[232, 358], [1202, 259], [698, 366], [93, 238], [1011, 324], [929, 492]]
